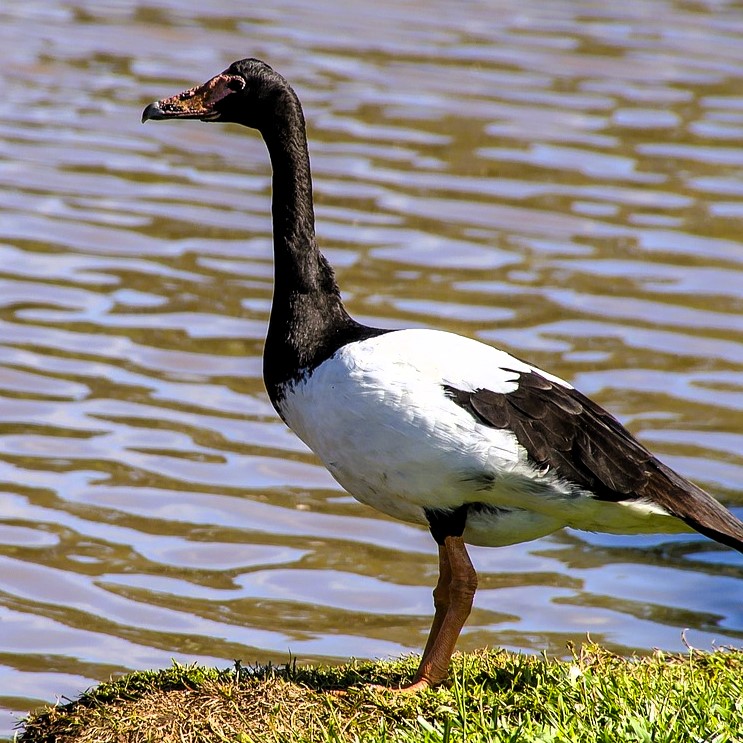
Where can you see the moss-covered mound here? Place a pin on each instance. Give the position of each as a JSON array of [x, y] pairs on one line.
[[492, 696]]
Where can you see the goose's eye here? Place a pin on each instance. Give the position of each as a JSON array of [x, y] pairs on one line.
[[235, 84]]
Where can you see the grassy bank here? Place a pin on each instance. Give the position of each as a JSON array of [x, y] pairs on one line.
[[492, 696]]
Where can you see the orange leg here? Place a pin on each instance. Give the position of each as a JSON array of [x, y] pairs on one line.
[[441, 599], [453, 598]]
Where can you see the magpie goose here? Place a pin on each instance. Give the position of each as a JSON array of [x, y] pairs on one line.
[[427, 426]]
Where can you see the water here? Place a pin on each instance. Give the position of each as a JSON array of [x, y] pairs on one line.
[[560, 178]]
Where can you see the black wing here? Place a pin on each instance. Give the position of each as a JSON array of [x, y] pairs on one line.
[[583, 444]]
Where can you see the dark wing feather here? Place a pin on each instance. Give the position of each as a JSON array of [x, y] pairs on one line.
[[581, 443]]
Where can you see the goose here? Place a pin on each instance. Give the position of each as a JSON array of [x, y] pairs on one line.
[[428, 426]]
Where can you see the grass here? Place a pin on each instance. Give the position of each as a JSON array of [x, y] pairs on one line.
[[493, 697]]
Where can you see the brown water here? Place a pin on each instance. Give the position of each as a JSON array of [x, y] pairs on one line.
[[563, 179]]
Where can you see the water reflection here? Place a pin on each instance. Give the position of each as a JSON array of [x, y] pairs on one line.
[[559, 178]]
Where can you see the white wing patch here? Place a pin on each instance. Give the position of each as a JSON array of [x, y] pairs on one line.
[[447, 358]]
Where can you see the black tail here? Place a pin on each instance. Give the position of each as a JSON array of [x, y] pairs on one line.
[[694, 506]]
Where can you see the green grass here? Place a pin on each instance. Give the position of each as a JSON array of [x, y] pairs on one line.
[[491, 697]]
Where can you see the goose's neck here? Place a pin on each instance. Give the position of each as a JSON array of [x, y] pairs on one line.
[[307, 312], [296, 255]]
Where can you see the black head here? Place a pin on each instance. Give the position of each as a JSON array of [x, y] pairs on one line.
[[242, 94]]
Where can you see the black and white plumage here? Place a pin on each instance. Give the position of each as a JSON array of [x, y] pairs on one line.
[[427, 426]]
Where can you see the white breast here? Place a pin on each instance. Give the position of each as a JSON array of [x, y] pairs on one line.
[[377, 416]]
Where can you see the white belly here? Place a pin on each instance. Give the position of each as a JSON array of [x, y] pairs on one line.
[[377, 416]]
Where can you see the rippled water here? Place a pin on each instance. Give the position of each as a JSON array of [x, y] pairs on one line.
[[563, 179]]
